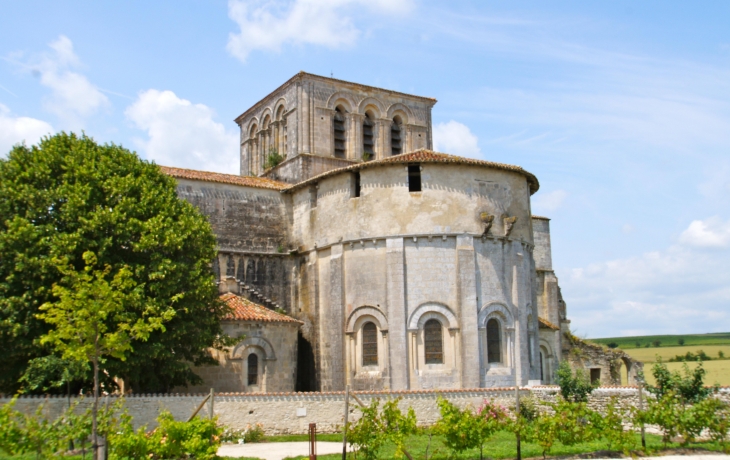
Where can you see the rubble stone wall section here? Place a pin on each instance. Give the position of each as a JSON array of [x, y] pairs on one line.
[[289, 413]]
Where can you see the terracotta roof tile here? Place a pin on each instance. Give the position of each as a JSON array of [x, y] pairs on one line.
[[423, 156], [545, 324], [246, 181], [244, 310]]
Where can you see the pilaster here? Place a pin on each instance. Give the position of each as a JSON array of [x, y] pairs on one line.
[[396, 313], [468, 311]]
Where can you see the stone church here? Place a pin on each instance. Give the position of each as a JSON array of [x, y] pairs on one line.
[[353, 254]]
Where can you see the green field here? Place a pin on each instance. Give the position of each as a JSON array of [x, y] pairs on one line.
[[627, 343]]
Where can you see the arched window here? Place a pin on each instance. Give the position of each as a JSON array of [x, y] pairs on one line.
[[494, 342], [395, 137], [434, 343], [339, 135], [369, 344], [253, 369], [368, 152]]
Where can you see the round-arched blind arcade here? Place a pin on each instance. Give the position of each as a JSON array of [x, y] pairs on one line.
[[494, 342], [369, 344], [253, 369], [433, 341]]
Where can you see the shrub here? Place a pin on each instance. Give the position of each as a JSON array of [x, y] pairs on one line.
[[273, 159], [467, 429], [612, 429], [570, 423], [680, 342], [576, 386], [612, 345], [375, 427], [688, 385], [657, 343]]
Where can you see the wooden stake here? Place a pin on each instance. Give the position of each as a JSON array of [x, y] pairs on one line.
[[212, 396], [344, 429]]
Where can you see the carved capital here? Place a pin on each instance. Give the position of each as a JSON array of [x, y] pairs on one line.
[[487, 219], [509, 222]]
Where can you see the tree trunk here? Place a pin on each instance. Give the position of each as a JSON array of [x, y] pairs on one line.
[[95, 407]]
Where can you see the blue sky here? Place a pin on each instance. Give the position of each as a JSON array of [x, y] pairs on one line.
[[622, 110]]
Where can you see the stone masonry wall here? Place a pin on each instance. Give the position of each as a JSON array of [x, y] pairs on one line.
[[283, 413]]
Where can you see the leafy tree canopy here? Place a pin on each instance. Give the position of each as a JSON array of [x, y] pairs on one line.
[[68, 196]]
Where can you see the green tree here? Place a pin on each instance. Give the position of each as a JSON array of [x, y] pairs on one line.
[[574, 386], [68, 196], [688, 385], [90, 319]]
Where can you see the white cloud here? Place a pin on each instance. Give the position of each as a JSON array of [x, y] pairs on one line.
[[548, 202], [73, 97], [708, 233], [677, 290], [455, 138], [183, 134], [267, 25], [15, 130]]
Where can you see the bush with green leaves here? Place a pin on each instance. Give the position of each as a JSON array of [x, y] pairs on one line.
[[574, 386], [376, 426], [611, 427], [569, 422], [468, 428], [689, 385]]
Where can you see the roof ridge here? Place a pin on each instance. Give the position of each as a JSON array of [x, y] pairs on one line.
[[247, 310], [223, 178], [421, 156]]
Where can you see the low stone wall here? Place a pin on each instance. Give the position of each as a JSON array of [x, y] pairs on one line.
[[287, 413]]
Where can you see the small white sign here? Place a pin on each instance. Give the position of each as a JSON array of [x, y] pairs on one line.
[[301, 411]]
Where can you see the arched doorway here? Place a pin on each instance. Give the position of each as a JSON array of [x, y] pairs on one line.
[[306, 376]]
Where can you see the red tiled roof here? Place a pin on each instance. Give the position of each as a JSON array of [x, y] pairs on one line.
[[424, 156], [246, 181], [547, 324], [245, 310]]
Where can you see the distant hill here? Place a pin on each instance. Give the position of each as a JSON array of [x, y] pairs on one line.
[[626, 343]]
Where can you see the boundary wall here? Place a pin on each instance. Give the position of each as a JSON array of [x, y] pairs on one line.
[[291, 413]]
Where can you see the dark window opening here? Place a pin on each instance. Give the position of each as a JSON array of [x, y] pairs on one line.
[[595, 376], [355, 184], [253, 369], [494, 342], [542, 368], [306, 375], [339, 137], [395, 137], [368, 152], [433, 341], [369, 344], [313, 196], [414, 178]]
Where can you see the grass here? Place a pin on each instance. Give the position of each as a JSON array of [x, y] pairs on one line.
[[627, 343], [648, 355], [717, 371], [502, 445]]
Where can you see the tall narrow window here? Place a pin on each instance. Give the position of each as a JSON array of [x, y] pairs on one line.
[[369, 344], [395, 137], [339, 135], [433, 341], [253, 369], [494, 342], [355, 190], [313, 196], [368, 153], [414, 178]]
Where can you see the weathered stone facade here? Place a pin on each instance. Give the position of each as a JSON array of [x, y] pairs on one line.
[[409, 269]]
